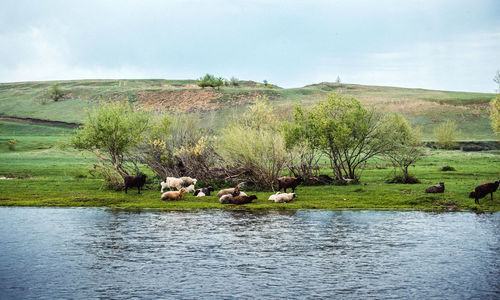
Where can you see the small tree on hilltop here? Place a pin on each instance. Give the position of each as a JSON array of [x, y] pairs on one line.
[[406, 147], [446, 135]]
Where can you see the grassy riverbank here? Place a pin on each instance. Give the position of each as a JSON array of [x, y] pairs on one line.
[[41, 174]]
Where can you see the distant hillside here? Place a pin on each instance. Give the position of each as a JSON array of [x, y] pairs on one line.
[[421, 107]]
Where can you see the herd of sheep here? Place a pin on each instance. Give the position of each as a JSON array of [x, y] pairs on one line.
[[185, 185]]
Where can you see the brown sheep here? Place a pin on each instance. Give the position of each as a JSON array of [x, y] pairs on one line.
[[134, 181], [173, 195], [289, 182], [484, 189], [241, 199], [229, 191], [438, 188]]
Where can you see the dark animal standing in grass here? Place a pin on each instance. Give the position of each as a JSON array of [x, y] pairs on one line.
[[134, 181], [484, 189], [289, 182], [433, 189]]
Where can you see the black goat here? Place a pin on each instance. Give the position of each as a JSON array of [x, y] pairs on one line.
[[134, 181]]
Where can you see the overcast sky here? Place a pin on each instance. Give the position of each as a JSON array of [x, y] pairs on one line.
[[447, 45]]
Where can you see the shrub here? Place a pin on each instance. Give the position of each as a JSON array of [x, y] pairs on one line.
[[447, 168], [446, 135], [234, 81], [55, 92], [403, 179], [11, 144], [254, 146]]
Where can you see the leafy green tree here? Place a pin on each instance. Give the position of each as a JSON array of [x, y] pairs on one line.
[[111, 132], [347, 133], [406, 146], [55, 92], [446, 135]]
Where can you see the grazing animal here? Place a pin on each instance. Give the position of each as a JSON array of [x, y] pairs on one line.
[[187, 181], [289, 182], [173, 195], [484, 189], [433, 189], [203, 192], [177, 183], [134, 181], [240, 199], [273, 196], [284, 198]]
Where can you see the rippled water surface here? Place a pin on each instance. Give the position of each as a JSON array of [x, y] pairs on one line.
[[98, 253]]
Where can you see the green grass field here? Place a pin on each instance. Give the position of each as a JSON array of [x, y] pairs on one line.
[[43, 174], [424, 108]]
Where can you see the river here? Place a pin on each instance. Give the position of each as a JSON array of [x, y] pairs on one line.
[[55, 253]]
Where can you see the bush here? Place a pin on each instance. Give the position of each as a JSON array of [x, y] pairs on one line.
[[254, 146], [12, 144], [403, 180], [447, 168], [55, 92], [211, 81], [446, 135]]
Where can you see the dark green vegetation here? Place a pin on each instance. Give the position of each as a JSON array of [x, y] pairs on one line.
[[426, 108], [47, 175]]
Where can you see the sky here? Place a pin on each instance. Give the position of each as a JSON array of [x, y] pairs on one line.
[[435, 44]]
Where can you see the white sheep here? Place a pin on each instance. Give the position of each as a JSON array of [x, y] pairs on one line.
[[171, 182], [188, 181], [273, 196], [283, 198], [190, 189]]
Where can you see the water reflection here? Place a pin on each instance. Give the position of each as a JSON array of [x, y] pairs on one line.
[[97, 253]]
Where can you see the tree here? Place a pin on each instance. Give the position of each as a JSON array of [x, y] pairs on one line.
[[406, 147], [446, 135], [111, 132], [254, 146], [338, 80], [347, 133], [55, 92], [305, 156], [178, 145]]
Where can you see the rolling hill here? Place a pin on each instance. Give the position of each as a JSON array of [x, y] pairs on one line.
[[425, 108]]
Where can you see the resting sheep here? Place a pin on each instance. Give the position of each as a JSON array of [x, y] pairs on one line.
[[273, 196], [203, 192], [484, 189], [134, 181], [284, 198], [433, 189], [240, 199], [229, 191], [173, 195], [289, 182], [190, 189]]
